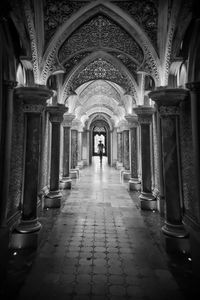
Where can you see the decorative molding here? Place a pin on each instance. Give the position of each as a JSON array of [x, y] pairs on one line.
[[168, 110], [10, 84], [144, 114], [194, 86], [31, 29], [33, 108], [132, 120], [34, 94], [67, 120], [56, 113]]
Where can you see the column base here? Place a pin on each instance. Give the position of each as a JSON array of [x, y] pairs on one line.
[[74, 173], [147, 201], [25, 235], [176, 238], [66, 183], [28, 226], [173, 230], [53, 199], [20, 240], [134, 185], [119, 165]]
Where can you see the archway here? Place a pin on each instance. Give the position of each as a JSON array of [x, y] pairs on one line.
[[100, 130]]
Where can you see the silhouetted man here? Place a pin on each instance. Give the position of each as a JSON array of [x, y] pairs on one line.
[[100, 150]]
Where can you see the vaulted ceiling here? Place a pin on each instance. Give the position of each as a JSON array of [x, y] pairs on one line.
[[101, 48]]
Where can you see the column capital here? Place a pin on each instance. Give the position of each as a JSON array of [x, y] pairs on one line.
[[33, 94], [144, 114], [34, 98], [132, 120], [194, 86], [168, 100], [56, 112], [67, 120], [10, 84]]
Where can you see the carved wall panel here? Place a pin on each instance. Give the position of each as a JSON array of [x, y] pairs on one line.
[[99, 33], [75, 60], [145, 13], [57, 13]]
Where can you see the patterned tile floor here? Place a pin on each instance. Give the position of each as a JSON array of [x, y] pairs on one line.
[[97, 246]]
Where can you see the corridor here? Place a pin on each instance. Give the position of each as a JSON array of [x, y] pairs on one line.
[[99, 247]]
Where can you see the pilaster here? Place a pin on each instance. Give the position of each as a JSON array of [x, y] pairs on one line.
[[134, 183], [53, 198], [144, 113], [67, 123]]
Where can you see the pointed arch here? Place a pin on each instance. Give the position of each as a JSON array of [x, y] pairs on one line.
[[129, 79], [84, 14]]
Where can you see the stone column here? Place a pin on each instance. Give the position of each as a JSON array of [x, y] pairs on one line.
[[126, 161], [147, 200], [134, 184], [119, 149], [168, 101], [109, 147], [34, 100], [80, 145], [53, 198], [74, 148], [66, 180]]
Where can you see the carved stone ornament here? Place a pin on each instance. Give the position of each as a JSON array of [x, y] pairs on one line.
[[144, 114], [168, 97], [100, 32], [10, 84], [145, 13], [56, 113], [194, 86], [132, 120], [67, 120], [169, 110], [33, 108], [58, 12], [33, 94]]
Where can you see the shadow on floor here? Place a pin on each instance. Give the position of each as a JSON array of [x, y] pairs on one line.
[[180, 265]]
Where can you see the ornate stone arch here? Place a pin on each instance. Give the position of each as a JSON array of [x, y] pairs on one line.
[[97, 117], [126, 78], [123, 19]]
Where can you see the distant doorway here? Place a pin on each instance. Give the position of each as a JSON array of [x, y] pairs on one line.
[[98, 138]]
